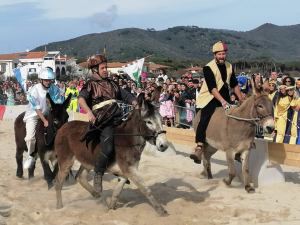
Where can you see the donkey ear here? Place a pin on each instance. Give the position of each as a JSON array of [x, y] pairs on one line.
[[67, 101], [141, 100], [265, 86], [156, 94], [256, 90], [49, 102]]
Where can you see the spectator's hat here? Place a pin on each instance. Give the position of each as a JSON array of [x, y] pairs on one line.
[[273, 82], [297, 81], [219, 46], [282, 87], [290, 87]]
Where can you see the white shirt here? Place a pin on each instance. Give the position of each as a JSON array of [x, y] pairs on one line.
[[37, 100]]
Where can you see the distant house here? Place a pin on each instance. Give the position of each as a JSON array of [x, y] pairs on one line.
[[34, 60], [8, 62], [195, 69], [155, 68]]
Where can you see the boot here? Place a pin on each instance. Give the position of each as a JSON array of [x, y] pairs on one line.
[[30, 160], [197, 155], [98, 182], [99, 169]]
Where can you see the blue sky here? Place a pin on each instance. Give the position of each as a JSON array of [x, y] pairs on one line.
[[31, 23]]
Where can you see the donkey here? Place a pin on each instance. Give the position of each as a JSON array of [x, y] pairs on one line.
[[234, 133], [44, 139], [142, 124]]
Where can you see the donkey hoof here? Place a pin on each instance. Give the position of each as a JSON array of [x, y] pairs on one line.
[[202, 175], [249, 189], [19, 178], [163, 213], [111, 207], [59, 206], [96, 195], [50, 185], [226, 183]]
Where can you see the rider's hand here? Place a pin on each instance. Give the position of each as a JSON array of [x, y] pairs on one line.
[[226, 105], [91, 116], [46, 123]]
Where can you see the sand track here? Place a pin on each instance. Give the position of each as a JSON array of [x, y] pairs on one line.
[[173, 180]]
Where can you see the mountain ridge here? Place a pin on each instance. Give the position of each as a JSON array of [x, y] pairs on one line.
[[280, 43]]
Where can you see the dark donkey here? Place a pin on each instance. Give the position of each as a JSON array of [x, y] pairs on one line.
[[130, 139], [44, 139]]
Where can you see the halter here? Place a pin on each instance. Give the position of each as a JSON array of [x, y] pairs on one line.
[[46, 134], [254, 121], [154, 136]]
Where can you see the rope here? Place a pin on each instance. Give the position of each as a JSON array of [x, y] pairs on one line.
[[281, 114], [243, 119]]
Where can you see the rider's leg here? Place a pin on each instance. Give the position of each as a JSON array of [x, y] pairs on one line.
[[30, 142], [107, 140], [206, 114]]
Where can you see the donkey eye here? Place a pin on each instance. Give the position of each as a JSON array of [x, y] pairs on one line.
[[149, 122], [260, 106]]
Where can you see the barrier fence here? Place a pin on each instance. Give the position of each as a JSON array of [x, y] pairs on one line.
[[286, 154]]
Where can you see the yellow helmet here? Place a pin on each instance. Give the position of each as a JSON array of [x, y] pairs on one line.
[[219, 46]]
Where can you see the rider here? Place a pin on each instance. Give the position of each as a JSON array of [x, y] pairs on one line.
[[218, 77], [98, 98], [37, 109]]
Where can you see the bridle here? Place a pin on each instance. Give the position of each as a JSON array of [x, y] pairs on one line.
[[254, 121], [46, 134], [154, 135]]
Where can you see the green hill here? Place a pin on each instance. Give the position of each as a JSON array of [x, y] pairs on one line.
[[280, 43]]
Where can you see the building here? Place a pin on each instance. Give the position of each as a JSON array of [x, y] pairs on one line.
[[35, 61], [8, 62], [195, 69], [155, 68]]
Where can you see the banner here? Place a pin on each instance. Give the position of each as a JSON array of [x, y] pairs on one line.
[[134, 70], [242, 82], [22, 75]]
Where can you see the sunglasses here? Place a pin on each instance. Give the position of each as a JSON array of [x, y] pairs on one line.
[[271, 85], [287, 81], [290, 90]]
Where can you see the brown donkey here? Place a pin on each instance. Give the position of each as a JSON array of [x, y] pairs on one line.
[[235, 133], [145, 123]]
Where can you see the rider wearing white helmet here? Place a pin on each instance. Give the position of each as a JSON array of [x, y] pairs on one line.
[[37, 109]]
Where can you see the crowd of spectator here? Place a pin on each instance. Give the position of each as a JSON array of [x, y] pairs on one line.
[[178, 98]]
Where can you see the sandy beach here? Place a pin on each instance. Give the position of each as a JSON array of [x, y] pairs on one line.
[[174, 181]]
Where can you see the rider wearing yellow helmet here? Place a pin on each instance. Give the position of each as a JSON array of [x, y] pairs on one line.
[[219, 77]]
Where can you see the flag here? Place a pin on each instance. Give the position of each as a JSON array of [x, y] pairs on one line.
[[104, 51], [242, 82], [134, 70], [21, 75]]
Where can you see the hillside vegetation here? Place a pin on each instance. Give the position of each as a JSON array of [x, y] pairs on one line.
[[280, 43]]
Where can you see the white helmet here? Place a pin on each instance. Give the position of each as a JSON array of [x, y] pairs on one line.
[[47, 74]]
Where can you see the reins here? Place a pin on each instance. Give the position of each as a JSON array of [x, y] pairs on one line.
[[155, 135], [46, 134], [253, 121]]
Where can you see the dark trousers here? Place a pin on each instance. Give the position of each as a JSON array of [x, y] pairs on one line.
[[206, 114], [107, 140]]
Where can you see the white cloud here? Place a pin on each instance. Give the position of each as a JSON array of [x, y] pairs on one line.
[[58, 9]]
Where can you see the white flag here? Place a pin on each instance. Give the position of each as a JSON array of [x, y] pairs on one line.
[[134, 70]]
